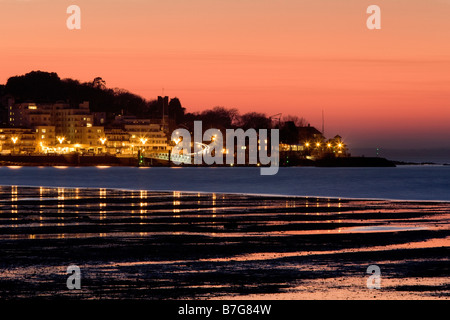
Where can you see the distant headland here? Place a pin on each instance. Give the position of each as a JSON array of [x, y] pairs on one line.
[[45, 120]]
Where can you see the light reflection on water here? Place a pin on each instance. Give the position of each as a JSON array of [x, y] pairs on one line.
[[241, 234], [142, 214], [279, 255], [403, 183]]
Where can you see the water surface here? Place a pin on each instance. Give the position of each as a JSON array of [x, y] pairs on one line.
[[402, 183], [176, 245]]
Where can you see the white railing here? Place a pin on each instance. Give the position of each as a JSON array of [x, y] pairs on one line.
[[173, 157]]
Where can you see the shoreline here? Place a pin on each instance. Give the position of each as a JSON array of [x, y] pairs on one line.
[[303, 197], [109, 160], [4, 163]]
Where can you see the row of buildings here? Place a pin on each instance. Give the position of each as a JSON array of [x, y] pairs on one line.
[[64, 128], [311, 144], [60, 128]]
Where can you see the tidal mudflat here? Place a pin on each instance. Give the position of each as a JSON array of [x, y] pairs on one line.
[[177, 245]]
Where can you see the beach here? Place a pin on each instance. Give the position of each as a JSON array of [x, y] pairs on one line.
[[186, 245]]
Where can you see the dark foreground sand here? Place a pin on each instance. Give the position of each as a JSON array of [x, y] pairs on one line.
[[149, 245]]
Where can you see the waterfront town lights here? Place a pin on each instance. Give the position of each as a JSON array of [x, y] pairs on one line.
[[60, 139], [103, 140], [143, 140]]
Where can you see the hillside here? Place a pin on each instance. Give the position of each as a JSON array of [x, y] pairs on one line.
[[45, 87]]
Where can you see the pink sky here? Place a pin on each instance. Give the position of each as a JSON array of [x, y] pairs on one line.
[[387, 88]]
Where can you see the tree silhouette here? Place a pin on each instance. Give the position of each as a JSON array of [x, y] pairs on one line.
[[298, 121], [255, 120], [99, 83], [37, 86], [45, 87], [219, 117]]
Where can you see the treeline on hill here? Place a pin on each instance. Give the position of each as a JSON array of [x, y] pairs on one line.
[[45, 87], [223, 118]]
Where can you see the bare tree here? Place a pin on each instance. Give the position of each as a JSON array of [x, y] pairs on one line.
[[255, 120], [298, 121]]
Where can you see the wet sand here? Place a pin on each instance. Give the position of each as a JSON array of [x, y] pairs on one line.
[[172, 245]]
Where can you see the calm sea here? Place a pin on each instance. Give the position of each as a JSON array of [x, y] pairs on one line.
[[402, 183]]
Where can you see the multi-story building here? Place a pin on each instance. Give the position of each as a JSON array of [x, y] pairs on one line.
[[91, 136], [26, 115], [38, 118], [65, 123], [311, 143], [61, 127], [45, 137], [144, 134], [70, 121], [17, 141], [117, 141]]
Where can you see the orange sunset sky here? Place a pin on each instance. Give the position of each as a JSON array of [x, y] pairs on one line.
[[378, 88]]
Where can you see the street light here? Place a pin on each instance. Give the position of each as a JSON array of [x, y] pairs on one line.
[[102, 140], [14, 140], [143, 141], [61, 139]]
